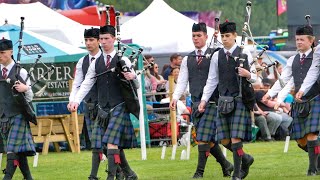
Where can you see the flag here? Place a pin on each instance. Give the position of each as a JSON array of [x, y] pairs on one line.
[[281, 6]]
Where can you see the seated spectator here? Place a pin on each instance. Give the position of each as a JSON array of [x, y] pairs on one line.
[[284, 118], [175, 73], [262, 121], [175, 61], [150, 85], [161, 83]]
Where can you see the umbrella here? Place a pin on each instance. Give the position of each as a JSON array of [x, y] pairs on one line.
[[34, 44]]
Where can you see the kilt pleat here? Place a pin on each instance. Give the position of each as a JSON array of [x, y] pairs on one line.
[[17, 137], [311, 124], [237, 124]]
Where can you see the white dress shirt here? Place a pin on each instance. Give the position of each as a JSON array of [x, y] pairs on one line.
[[183, 78], [23, 75], [213, 77], [78, 78], [287, 77], [89, 80]]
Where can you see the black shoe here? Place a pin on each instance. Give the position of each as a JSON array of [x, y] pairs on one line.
[[93, 178], [311, 173], [227, 170], [133, 176], [235, 178], [246, 165], [197, 175]]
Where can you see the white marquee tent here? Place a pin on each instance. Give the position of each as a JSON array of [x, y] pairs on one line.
[[160, 29], [43, 20]]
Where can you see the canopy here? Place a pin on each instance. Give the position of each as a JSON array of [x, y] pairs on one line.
[[43, 20], [51, 50]]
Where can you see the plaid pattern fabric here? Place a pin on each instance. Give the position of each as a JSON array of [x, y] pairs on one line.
[[89, 125], [119, 131], [206, 125], [235, 125], [17, 136], [311, 124]]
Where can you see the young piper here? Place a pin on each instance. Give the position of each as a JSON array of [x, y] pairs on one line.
[[113, 126], [233, 124], [194, 70], [301, 72], [15, 128]]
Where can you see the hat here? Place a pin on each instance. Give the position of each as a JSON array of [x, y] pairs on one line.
[[108, 29], [227, 27], [304, 30], [199, 27], [5, 44], [93, 32]]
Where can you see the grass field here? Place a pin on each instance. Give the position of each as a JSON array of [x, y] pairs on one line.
[[270, 163]]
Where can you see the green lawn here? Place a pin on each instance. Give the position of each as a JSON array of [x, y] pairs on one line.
[[270, 163]]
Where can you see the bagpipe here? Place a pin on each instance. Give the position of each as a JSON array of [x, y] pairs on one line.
[[28, 110], [246, 91]]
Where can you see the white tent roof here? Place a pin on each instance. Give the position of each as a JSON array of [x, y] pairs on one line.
[[160, 29], [43, 20]]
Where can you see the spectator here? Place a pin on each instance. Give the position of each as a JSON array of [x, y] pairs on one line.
[[175, 61], [161, 83]]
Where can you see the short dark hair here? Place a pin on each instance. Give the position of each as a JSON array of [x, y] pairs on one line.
[[174, 56]]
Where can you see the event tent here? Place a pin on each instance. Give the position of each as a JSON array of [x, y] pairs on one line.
[[43, 20], [51, 50], [161, 29]]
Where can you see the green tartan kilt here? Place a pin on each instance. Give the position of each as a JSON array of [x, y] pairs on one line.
[[118, 131], [17, 137], [237, 124], [206, 125], [311, 124]]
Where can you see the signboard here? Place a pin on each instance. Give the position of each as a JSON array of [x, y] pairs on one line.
[[54, 83]]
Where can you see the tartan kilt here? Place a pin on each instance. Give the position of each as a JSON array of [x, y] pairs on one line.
[[17, 137], [311, 124], [119, 131], [237, 124], [206, 125]]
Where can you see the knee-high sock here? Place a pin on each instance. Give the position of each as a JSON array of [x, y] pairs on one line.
[[95, 162], [113, 162], [237, 158], [203, 150], [313, 152], [125, 165], [217, 153], [24, 167], [12, 163]]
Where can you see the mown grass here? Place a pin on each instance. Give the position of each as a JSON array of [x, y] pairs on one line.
[[270, 163]]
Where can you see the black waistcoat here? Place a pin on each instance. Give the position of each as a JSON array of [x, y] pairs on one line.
[[92, 95], [108, 85], [198, 74], [9, 107], [299, 73]]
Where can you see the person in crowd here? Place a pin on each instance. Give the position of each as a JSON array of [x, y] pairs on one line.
[[175, 61], [161, 83]]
